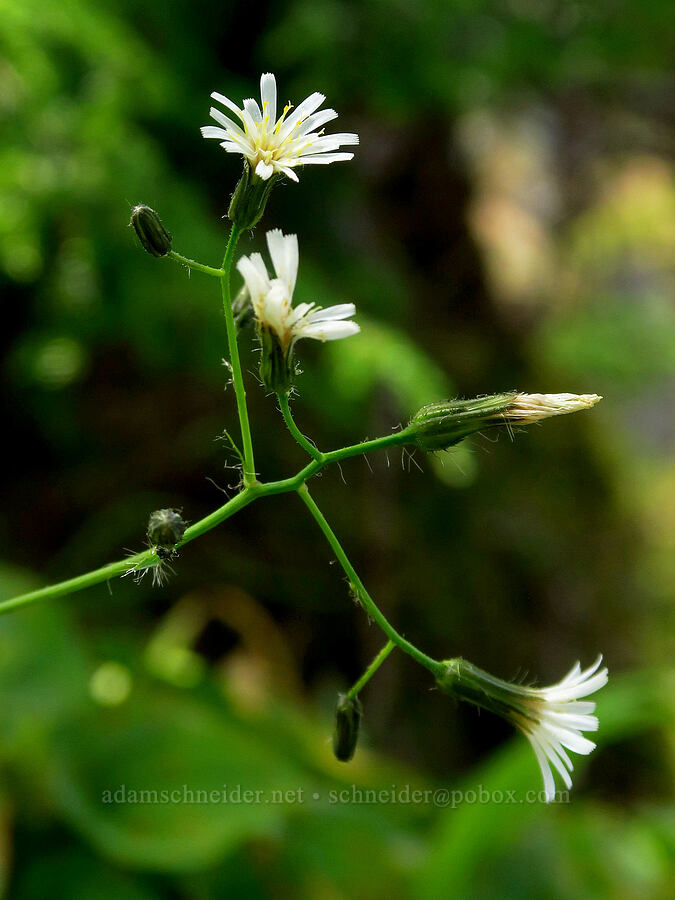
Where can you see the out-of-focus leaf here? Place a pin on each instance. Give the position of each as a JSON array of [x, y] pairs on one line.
[[133, 780], [78, 877], [614, 344], [43, 673]]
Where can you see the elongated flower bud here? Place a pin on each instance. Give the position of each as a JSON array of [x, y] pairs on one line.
[[166, 528], [348, 715], [551, 718], [440, 425], [150, 231]]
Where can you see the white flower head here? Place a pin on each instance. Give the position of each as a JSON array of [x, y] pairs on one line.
[[553, 719], [272, 302], [278, 146]]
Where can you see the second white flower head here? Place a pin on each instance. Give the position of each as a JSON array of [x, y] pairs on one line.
[[272, 298]]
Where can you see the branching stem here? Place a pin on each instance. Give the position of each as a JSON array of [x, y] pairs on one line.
[[193, 264], [364, 597], [253, 490], [371, 670]]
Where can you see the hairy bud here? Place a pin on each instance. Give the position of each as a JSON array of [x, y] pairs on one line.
[[150, 231], [348, 715], [440, 425], [166, 528]]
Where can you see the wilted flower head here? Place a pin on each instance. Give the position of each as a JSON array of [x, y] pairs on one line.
[[281, 324], [277, 146], [528, 408], [551, 718]]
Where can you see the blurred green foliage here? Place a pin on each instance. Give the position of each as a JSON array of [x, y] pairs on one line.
[[507, 222]]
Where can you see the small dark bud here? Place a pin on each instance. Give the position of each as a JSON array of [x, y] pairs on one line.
[[348, 715], [151, 233], [166, 528], [250, 198]]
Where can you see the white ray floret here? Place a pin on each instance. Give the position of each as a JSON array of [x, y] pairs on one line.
[[554, 718], [528, 408], [278, 146], [272, 298]]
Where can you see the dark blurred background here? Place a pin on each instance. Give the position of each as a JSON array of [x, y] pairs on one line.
[[506, 224]]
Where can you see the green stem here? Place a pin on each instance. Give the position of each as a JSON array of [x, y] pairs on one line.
[[193, 264], [237, 376], [242, 499], [371, 670], [137, 562], [389, 440], [304, 442], [366, 600], [79, 582], [239, 501]]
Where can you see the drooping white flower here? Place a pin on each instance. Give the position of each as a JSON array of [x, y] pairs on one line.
[[282, 324], [274, 145], [553, 719]]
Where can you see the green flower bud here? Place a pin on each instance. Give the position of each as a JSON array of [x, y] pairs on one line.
[[440, 425], [150, 231], [348, 715], [166, 528], [250, 198], [277, 366], [467, 682]]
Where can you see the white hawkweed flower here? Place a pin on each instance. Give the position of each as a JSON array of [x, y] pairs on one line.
[[551, 718], [280, 323], [277, 146]]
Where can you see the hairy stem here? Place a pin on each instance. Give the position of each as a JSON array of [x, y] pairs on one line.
[[131, 563], [366, 600], [79, 582], [371, 670], [193, 264], [254, 492], [304, 442], [237, 376]]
